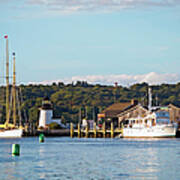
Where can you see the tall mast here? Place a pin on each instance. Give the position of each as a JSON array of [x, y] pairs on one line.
[[7, 81], [14, 90]]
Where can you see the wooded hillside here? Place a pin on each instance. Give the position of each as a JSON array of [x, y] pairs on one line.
[[68, 100]]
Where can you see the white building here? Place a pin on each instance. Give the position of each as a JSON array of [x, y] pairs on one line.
[[46, 114]]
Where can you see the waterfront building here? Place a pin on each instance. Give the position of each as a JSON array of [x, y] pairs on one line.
[[110, 114], [174, 112], [46, 114], [119, 112], [136, 111]]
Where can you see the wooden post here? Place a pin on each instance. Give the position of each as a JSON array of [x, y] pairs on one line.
[[72, 130], [86, 131], [122, 129], [112, 130], [79, 130], [104, 130], [95, 132]]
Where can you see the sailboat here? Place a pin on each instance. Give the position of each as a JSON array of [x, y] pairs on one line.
[[10, 130]]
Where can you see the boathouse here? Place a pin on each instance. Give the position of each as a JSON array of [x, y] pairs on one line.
[[174, 113], [132, 112], [119, 112], [163, 114], [110, 114]]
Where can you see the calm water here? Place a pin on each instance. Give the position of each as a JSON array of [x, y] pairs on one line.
[[65, 158]]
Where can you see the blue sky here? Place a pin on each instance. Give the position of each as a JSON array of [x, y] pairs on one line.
[[104, 41]]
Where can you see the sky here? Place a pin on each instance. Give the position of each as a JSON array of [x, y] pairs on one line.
[[99, 41]]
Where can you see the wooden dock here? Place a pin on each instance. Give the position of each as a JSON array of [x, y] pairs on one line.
[[95, 132]]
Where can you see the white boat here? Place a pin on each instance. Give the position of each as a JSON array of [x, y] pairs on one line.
[[11, 133], [9, 130], [149, 127], [155, 124]]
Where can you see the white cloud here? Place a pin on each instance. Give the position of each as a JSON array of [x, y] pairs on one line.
[[163, 48], [71, 6], [122, 79], [62, 7]]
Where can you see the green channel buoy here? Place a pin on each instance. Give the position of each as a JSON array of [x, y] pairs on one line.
[[15, 149], [41, 138]]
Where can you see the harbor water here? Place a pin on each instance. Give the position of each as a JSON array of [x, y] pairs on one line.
[[81, 159]]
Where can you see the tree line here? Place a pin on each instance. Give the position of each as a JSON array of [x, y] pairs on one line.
[[72, 102]]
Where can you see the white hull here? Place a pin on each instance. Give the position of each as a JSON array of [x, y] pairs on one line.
[[154, 131], [12, 133]]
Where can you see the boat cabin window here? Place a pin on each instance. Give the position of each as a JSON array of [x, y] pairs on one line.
[[162, 121], [126, 122]]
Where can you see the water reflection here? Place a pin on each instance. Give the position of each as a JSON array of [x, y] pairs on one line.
[[148, 165], [41, 162], [63, 158], [9, 168], [9, 171]]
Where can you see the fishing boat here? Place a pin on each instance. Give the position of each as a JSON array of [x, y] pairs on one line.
[[154, 125], [10, 130]]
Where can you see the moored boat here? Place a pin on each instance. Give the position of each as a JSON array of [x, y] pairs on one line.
[[11, 133], [9, 130], [145, 129], [155, 124]]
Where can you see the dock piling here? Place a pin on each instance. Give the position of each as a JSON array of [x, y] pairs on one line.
[[71, 130], [104, 130], [112, 130], [79, 130], [95, 131], [86, 132]]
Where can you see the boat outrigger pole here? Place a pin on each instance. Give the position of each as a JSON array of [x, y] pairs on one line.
[[7, 82]]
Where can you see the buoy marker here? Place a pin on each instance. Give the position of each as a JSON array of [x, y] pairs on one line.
[[41, 138], [15, 149]]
